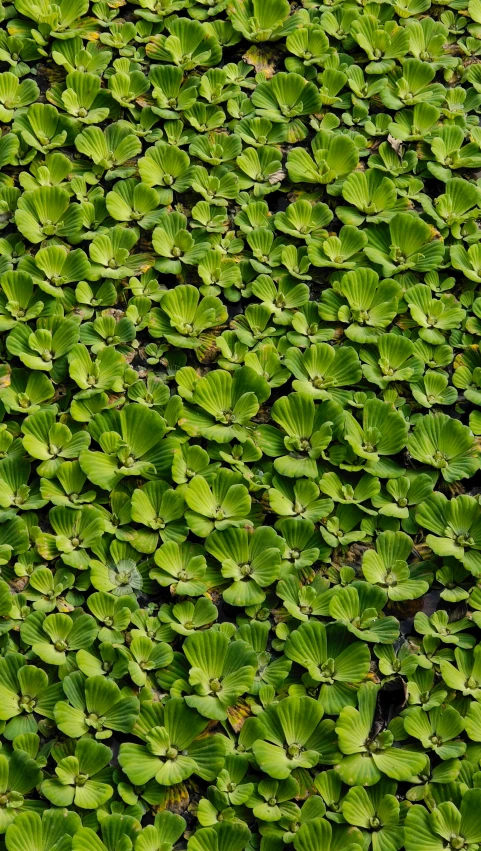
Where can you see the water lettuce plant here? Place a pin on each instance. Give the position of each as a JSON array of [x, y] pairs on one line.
[[240, 425]]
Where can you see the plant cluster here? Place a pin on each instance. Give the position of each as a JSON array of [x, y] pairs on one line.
[[240, 425]]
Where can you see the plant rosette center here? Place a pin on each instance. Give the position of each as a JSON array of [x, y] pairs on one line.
[[294, 751], [27, 703], [95, 721], [11, 799]]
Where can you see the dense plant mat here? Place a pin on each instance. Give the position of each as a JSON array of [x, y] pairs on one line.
[[240, 403]]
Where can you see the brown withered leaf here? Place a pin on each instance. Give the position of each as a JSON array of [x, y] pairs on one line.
[[60, 392], [391, 699], [63, 606], [207, 351], [237, 715], [396, 144], [19, 585], [174, 798], [264, 59], [144, 101], [277, 177]]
